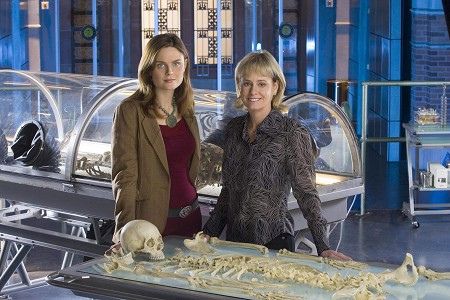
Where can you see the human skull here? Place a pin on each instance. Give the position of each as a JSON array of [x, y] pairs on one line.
[[144, 237]]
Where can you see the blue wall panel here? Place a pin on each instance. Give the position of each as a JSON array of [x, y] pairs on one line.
[[5, 35], [5, 20], [385, 54], [47, 36], [326, 52]]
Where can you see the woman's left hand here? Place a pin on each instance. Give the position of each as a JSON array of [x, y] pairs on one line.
[[335, 255]]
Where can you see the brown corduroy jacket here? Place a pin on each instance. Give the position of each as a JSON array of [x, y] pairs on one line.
[[140, 172]]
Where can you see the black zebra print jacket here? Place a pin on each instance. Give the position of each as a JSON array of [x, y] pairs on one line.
[[257, 177]]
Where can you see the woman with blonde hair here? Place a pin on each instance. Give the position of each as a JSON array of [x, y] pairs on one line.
[[265, 155], [156, 144]]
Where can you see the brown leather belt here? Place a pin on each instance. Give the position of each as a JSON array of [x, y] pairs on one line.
[[183, 212]]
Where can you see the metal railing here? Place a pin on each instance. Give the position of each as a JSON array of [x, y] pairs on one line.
[[364, 139]]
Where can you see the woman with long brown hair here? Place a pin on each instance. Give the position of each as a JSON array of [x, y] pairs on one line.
[[156, 144]]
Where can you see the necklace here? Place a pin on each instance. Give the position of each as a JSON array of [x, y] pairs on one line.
[[171, 119]]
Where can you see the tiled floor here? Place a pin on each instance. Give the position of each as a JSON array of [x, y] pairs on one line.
[[381, 235]]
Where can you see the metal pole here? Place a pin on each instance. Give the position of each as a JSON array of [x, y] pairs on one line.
[[94, 41], [254, 25], [57, 39], [156, 16], [405, 83], [5, 254], [120, 35], [34, 41], [21, 270], [363, 144], [219, 45], [15, 262], [280, 40]]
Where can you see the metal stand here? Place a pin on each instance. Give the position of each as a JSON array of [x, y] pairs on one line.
[[19, 239], [14, 264]]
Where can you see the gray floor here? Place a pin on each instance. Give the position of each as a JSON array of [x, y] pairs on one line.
[[380, 235]]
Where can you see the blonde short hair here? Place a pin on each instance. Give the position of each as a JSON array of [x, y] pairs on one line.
[[184, 94], [262, 63]]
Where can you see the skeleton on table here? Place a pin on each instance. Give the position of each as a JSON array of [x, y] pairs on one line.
[[257, 275]]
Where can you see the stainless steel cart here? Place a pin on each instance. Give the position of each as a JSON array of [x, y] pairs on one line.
[[419, 141]]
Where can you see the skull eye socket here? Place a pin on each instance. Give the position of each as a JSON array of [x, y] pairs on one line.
[[151, 243]]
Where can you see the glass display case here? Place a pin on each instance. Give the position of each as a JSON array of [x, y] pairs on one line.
[[55, 144]]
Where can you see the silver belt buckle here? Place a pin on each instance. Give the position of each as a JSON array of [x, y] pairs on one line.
[[185, 211]]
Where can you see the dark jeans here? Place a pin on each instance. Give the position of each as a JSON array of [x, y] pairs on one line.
[[283, 241]]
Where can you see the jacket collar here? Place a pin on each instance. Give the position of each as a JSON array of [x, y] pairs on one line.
[[269, 126]]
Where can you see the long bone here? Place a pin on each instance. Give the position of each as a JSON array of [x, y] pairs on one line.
[[405, 274], [217, 242], [338, 264], [433, 275]]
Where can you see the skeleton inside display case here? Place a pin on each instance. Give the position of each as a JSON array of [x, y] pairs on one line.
[[55, 152]]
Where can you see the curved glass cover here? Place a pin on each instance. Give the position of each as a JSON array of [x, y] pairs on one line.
[[93, 150], [331, 130], [39, 113], [70, 117]]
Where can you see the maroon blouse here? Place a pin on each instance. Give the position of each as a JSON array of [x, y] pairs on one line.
[[180, 146]]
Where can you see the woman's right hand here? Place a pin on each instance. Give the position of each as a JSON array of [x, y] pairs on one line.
[[206, 237], [113, 248], [202, 235]]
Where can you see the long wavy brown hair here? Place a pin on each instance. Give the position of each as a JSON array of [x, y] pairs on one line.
[[184, 95]]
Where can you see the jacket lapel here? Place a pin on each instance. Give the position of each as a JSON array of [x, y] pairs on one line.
[[151, 129]]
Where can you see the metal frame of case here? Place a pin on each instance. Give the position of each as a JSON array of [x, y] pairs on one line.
[[77, 111]]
